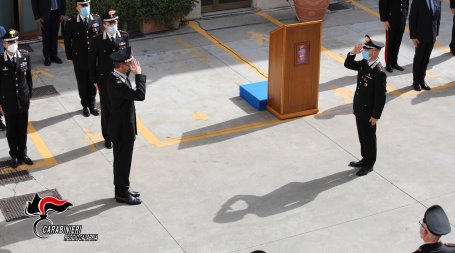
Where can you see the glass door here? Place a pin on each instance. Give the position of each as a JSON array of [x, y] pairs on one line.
[[219, 5]]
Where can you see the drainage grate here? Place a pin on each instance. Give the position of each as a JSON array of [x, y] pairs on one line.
[[12, 176], [13, 208], [4, 164], [339, 6], [44, 92]]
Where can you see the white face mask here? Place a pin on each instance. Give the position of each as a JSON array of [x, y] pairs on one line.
[[12, 48]]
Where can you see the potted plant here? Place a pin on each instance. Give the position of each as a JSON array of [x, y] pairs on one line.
[[311, 10], [161, 15]]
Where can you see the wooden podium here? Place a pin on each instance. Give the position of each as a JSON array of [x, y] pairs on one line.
[[294, 63]]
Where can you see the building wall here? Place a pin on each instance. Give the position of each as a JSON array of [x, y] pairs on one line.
[[258, 4]]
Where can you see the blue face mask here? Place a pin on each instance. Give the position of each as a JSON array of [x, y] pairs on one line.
[[366, 55], [112, 29], [85, 11]]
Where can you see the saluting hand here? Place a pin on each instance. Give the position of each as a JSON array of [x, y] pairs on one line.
[[135, 67], [373, 121], [357, 49]]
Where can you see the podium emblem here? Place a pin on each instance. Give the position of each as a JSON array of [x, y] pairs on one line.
[[302, 55]]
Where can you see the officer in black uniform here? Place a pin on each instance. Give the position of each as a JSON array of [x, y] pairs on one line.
[[369, 99], [15, 93], [79, 34], [101, 66], [452, 43], [122, 122], [424, 23], [434, 225], [394, 14]]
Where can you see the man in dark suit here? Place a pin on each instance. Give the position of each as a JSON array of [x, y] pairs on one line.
[[122, 123], [394, 14], [79, 34], [424, 21], [2, 33], [15, 93], [369, 99], [435, 224], [48, 15], [101, 65], [452, 43]]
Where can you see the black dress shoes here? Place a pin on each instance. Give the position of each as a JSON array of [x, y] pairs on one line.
[[85, 112], [25, 159], [56, 59], [416, 86], [47, 62], [14, 163], [134, 194], [94, 111], [356, 164], [389, 69], [128, 199], [108, 144], [424, 85], [397, 67], [364, 171]]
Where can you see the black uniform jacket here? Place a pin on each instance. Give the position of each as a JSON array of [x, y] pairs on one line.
[[438, 247], [370, 94], [122, 123], [423, 24], [452, 4], [79, 38], [42, 8], [393, 11], [15, 82], [100, 65]]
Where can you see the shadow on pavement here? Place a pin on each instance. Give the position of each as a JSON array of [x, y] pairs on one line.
[[13, 232], [40, 124], [283, 199], [436, 92]]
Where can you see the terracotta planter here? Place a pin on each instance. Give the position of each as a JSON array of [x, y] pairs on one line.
[[311, 10], [150, 26]]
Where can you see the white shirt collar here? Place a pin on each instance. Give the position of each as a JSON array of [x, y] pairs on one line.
[[374, 63], [123, 76], [107, 35], [8, 57], [81, 18]]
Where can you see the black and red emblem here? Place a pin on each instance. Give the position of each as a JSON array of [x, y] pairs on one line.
[[43, 207]]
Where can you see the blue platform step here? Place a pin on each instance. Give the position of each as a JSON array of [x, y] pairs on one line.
[[255, 94]]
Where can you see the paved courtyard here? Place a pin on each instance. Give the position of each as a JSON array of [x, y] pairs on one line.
[[216, 175]]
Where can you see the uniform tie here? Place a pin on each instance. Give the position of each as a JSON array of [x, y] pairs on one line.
[[14, 60], [85, 22], [112, 40]]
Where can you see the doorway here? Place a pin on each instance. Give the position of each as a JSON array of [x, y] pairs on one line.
[[219, 5]]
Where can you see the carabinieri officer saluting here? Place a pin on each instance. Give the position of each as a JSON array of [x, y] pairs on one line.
[[101, 66], [369, 99], [15, 93], [122, 123], [79, 33]]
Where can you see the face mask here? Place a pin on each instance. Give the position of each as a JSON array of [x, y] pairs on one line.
[[85, 11], [12, 48], [366, 55], [112, 29]]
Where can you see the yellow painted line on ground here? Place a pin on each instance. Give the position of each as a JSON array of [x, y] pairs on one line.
[[93, 137], [216, 133], [61, 43], [190, 48], [259, 37], [200, 116], [376, 14], [148, 135], [41, 72], [346, 93], [226, 48], [46, 154]]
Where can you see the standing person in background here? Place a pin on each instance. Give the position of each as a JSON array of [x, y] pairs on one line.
[[15, 92], [122, 123], [79, 34], [424, 21], [452, 43], [49, 15], [393, 13], [101, 65], [2, 33]]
